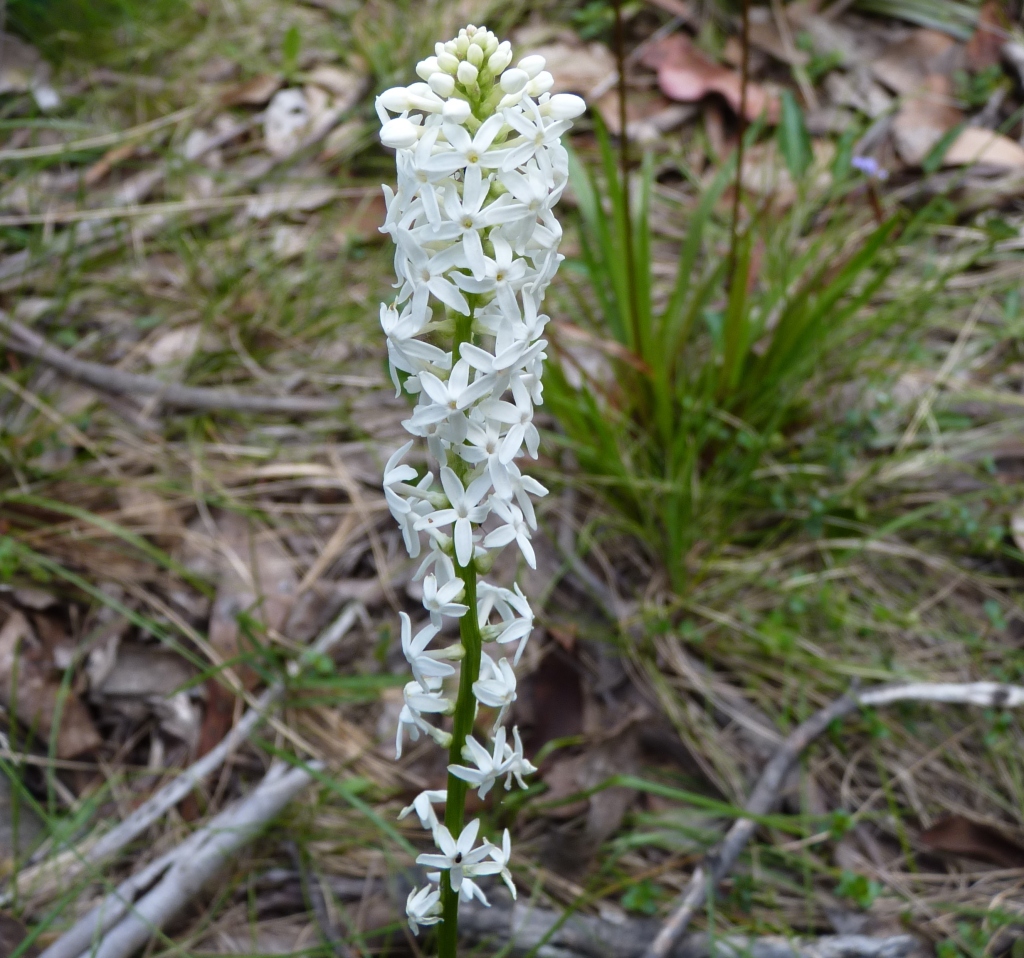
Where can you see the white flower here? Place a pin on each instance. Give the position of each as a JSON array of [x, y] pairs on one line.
[[490, 766], [465, 511], [535, 135], [484, 446], [394, 471], [399, 133], [516, 764], [441, 600], [425, 665], [424, 275], [423, 806], [459, 858], [502, 856], [448, 399], [423, 907], [496, 688], [472, 153], [420, 699], [476, 243], [514, 611], [467, 217], [515, 529], [520, 419]]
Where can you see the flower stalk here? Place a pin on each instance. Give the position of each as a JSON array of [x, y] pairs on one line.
[[480, 169]]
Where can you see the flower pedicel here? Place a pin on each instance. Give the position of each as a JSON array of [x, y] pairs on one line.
[[480, 169]]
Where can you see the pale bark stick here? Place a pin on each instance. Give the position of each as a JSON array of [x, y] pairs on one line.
[[719, 862], [207, 853], [118, 382]]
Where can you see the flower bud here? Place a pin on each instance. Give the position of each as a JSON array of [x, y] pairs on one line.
[[425, 69], [452, 47], [457, 111], [439, 48], [500, 58], [532, 65], [541, 83], [475, 55], [462, 44], [512, 81], [399, 134], [491, 45], [565, 106], [509, 99], [395, 100], [443, 84], [467, 73], [448, 62]]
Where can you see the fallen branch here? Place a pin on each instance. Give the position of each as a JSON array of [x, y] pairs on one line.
[[64, 867], [719, 862], [524, 928], [120, 383], [123, 923]]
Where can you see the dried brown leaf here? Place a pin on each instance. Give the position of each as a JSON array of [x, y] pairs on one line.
[[686, 74], [959, 835], [30, 679], [254, 92]]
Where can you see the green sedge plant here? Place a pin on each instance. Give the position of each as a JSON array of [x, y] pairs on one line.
[[711, 376]]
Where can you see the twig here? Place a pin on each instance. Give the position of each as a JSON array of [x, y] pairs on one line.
[[96, 142], [720, 860], [70, 863], [256, 204], [118, 927], [120, 383]]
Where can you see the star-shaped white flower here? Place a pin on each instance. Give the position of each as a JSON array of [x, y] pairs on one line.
[[459, 858], [465, 511], [502, 856], [424, 275], [425, 665], [516, 764], [442, 600], [515, 613], [519, 418], [515, 529], [490, 766], [471, 153], [423, 907], [423, 806], [467, 217], [496, 687]]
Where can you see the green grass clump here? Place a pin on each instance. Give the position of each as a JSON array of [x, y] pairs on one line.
[[712, 376]]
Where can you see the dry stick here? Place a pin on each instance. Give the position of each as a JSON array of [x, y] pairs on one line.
[[214, 844], [719, 861], [120, 383], [74, 861]]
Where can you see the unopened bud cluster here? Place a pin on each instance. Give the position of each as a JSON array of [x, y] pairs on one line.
[[480, 168]]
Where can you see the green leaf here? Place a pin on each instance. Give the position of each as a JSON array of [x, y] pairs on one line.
[[937, 153], [793, 138], [290, 49]]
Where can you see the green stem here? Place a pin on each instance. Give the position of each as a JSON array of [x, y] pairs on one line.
[[465, 715], [465, 704]]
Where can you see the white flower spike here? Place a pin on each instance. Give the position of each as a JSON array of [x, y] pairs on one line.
[[480, 169]]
